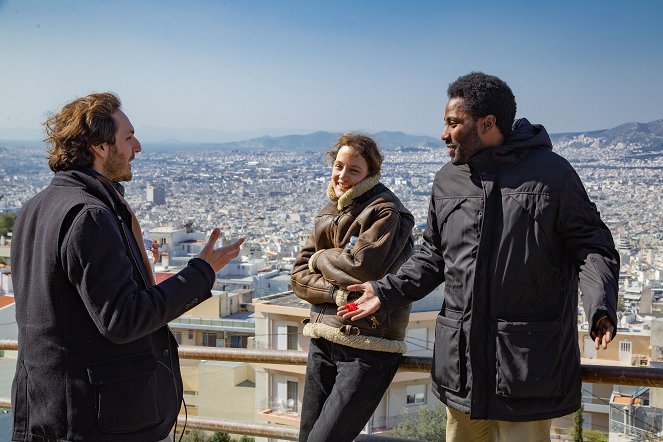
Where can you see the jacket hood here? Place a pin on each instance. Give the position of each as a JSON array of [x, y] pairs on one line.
[[527, 135], [524, 137]]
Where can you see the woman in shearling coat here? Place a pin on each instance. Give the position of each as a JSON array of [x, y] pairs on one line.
[[363, 233]]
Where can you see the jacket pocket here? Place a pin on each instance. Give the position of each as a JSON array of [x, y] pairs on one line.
[[528, 359], [126, 395], [447, 354]]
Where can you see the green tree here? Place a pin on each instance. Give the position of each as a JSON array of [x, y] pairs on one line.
[[247, 439], [195, 436], [219, 437], [429, 424], [6, 223], [594, 436], [577, 424]]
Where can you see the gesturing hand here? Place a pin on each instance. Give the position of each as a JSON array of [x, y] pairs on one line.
[[218, 258], [365, 305]]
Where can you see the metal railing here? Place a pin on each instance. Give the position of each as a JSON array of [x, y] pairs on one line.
[[598, 374]]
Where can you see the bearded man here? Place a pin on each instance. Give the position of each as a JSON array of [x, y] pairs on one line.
[[96, 360], [512, 234]]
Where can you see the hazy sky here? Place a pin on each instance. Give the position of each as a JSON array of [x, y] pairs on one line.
[[245, 68]]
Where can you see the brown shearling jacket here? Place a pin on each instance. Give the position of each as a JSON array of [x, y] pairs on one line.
[[327, 264]]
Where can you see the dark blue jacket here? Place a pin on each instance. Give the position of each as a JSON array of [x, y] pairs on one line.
[[512, 235], [96, 360]]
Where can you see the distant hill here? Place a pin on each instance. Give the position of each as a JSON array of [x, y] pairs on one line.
[[319, 141], [627, 142]]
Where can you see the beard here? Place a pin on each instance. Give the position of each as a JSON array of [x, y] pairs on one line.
[[117, 167], [465, 147]]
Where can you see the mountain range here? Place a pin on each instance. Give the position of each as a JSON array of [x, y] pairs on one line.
[[629, 140], [626, 141]]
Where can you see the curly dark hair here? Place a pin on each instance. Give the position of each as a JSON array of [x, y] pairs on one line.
[[363, 144], [486, 95], [82, 123]]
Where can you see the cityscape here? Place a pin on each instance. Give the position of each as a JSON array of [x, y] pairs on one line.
[[270, 198]]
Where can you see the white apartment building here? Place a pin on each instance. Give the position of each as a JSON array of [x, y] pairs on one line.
[[280, 388]]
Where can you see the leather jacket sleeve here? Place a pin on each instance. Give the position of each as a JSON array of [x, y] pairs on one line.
[[374, 253], [378, 250], [309, 286], [589, 241]]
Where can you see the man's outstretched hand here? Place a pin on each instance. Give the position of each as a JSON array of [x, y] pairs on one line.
[[218, 258], [365, 305]]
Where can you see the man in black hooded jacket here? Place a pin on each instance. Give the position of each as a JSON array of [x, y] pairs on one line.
[[513, 235], [96, 360]]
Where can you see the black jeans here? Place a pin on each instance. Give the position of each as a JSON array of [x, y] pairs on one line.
[[343, 387]]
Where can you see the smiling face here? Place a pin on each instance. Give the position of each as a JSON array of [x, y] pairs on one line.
[[461, 132], [349, 168], [117, 164]]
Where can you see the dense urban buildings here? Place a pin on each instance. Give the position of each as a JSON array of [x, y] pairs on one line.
[[270, 198]]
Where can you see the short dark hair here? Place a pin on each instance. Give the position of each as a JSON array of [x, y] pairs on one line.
[[364, 145], [84, 122], [486, 95]]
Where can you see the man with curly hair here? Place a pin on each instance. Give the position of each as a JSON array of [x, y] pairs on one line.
[[512, 235], [96, 360]]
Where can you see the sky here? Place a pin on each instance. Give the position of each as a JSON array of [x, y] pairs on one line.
[[228, 70]]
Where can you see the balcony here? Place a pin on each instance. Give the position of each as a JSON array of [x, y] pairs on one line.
[[286, 413], [216, 324]]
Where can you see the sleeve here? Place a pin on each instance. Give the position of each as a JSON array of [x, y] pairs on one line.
[[96, 263], [587, 239], [420, 275], [376, 250], [309, 285]]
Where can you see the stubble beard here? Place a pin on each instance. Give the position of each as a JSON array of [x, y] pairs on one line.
[[116, 167]]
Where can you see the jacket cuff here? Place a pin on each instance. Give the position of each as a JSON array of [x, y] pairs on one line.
[[341, 297], [311, 262], [203, 267]]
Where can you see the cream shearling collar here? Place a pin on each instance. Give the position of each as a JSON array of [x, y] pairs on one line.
[[348, 198]]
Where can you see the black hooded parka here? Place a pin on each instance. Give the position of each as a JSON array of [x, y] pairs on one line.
[[512, 235]]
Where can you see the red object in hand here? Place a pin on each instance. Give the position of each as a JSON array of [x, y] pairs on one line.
[[351, 307]]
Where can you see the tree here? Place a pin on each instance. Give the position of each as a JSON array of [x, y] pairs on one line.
[[247, 439], [594, 436], [429, 424], [219, 437], [577, 424], [7, 223], [195, 436]]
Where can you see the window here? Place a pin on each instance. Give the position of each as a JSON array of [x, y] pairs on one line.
[[292, 387], [178, 337], [292, 331], [209, 339], [625, 351], [285, 335], [237, 341], [190, 335], [416, 394]]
